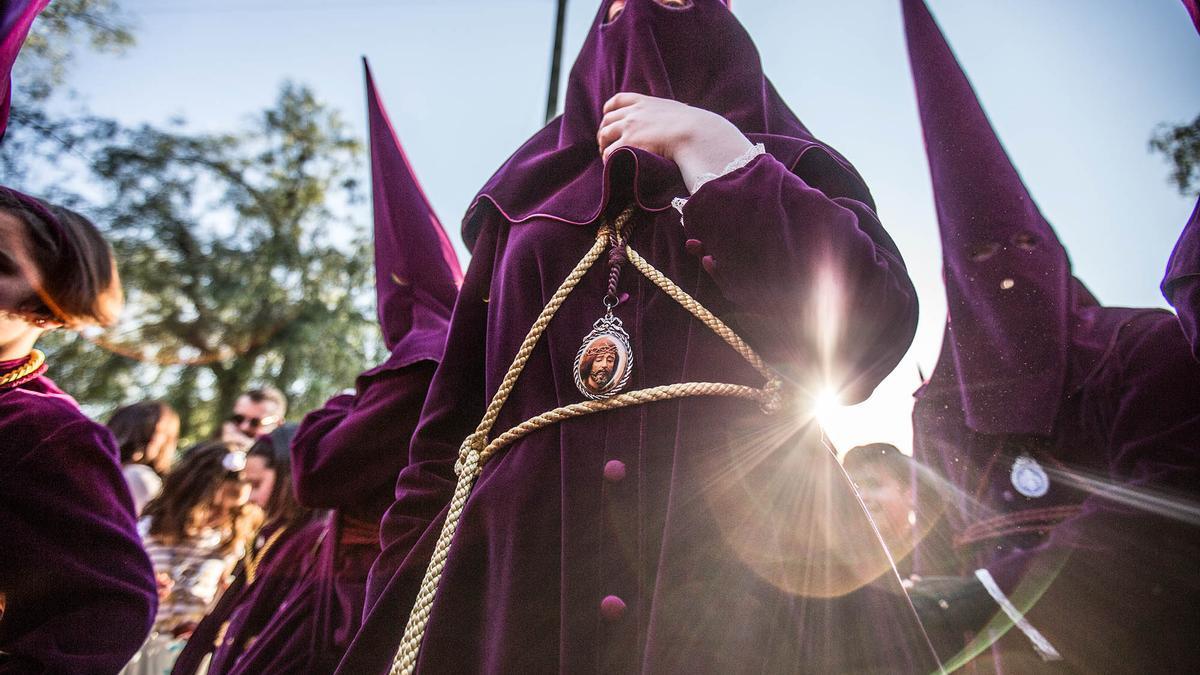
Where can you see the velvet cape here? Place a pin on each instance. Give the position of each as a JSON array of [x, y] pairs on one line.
[[79, 591]]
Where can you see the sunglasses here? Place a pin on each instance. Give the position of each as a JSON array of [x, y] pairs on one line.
[[253, 422]]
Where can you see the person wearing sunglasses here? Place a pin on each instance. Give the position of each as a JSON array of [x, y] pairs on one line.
[[256, 413]]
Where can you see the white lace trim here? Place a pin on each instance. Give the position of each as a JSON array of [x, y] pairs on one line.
[[1040, 644], [742, 160]]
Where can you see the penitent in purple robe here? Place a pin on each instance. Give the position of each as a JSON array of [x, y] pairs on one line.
[[306, 606], [78, 590], [1067, 433], [655, 538]]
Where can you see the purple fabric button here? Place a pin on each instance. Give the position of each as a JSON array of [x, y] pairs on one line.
[[614, 471], [694, 246], [709, 265], [612, 607]]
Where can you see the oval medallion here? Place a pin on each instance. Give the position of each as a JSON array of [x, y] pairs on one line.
[[605, 360], [1029, 478]]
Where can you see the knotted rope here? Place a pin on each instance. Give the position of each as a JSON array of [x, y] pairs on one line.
[[476, 451]]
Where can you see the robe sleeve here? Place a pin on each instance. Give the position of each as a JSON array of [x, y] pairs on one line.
[[80, 590], [778, 247], [356, 445], [1118, 579], [411, 526]]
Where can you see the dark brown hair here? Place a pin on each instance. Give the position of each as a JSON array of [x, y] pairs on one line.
[[267, 393], [134, 426], [188, 493], [275, 448], [79, 280], [886, 455]]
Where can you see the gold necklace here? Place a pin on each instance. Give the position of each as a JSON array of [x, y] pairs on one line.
[[36, 360], [253, 563]]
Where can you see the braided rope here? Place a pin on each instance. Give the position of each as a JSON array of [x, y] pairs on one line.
[[473, 453]]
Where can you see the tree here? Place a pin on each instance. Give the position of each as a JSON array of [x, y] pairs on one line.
[[237, 265], [62, 28], [50, 47], [1181, 144]]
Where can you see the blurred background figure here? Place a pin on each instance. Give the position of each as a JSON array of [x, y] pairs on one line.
[[147, 435], [195, 532], [885, 480], [76, 590], [283, 553], [256, 413]]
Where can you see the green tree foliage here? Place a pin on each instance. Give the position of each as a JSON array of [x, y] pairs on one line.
[[62, 29], [1181, 144], [50, 47], [237, 264]]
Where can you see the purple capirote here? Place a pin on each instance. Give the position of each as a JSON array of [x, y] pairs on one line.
[[1098, 552], [16, 18]]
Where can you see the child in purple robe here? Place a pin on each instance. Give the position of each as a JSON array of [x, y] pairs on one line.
[[1069, 431], [77, 594], [683, 535]]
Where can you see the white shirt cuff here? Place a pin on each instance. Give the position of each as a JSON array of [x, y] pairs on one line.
[[742, 160]]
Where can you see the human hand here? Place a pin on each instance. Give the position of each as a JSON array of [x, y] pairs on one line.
[[698, 141]]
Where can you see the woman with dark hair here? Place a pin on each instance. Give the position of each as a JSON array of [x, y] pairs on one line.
[[284, 552], [76, 589], [195, 532], [147, 434]]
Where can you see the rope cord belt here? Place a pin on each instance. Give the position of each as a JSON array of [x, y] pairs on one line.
[[476, 450]]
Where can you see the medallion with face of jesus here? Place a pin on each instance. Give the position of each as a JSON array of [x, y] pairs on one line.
[[603, 363]]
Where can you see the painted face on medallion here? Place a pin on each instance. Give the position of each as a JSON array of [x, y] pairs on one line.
[[602, 365]]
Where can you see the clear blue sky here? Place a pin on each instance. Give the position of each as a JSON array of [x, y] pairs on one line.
[[1074, 87]]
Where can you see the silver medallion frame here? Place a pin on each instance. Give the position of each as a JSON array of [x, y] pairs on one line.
[[611, 328]]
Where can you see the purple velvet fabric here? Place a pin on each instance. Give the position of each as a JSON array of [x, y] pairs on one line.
[[416, 270], [1193, 9], [1181, 285], [79, 590], [16, 17], [1104, 560], [696, 55], [1006, 274], [563, 565]]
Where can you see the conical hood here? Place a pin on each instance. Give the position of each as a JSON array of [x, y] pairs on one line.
[[416, 270], [16, 17], [698, 54], [1006, 273], [1181, 285]]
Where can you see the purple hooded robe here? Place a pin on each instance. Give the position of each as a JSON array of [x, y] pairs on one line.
[[654, 538], [307, 604], [1102, 562], [78, 590], [16, 18]]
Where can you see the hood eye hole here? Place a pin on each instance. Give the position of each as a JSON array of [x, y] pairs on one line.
[[615, 9], [981, 252], [1025, 241]]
